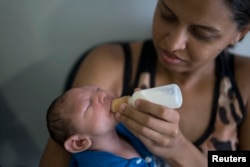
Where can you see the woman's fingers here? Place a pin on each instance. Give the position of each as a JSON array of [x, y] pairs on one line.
[[153, 145], [147, 125], [157, 111]]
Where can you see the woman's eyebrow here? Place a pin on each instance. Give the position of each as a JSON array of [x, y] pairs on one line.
[[166, 6], [210, 29]]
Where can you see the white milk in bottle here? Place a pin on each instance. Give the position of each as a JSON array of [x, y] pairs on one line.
[[167, 95]]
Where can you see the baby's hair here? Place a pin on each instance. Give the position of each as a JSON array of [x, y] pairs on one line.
[[59, 126]]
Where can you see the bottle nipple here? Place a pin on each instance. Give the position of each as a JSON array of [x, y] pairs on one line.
[[117, 102]]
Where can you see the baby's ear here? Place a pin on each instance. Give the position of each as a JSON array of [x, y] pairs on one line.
[[76, 143]]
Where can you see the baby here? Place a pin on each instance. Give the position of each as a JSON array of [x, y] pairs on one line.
[[81, 121]]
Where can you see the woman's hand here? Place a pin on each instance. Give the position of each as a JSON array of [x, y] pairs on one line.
[[155, 125], [158, 128]]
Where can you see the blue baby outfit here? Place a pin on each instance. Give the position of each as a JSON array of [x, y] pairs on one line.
[[106, 159]]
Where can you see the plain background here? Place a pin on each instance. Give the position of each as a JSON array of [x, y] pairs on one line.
[[39, 42]]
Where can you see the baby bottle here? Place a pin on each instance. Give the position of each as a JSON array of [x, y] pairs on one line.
[[169, 96]]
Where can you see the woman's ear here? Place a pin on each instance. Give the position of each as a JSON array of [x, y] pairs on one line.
[[242, 33], [77, 143]]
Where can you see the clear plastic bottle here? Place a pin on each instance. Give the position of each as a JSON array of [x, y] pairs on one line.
[[167, 95]]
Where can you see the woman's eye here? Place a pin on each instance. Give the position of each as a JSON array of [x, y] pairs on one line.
[[202, 35], [166, 15], [168, 18]]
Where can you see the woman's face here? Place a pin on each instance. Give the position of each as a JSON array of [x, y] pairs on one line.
[[188, 34]]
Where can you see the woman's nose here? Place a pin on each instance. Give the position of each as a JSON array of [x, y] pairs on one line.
[[176, 40]]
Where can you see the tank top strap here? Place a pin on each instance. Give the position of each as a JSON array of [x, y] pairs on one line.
[[229, 72], [147, 64], [219, 73], [127, 89]]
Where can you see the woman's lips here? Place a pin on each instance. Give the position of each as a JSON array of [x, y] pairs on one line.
[[170, 58]]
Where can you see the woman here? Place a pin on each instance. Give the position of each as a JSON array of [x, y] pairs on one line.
[[189, 44]]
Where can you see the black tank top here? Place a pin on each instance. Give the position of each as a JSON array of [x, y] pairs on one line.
[[228, 108]]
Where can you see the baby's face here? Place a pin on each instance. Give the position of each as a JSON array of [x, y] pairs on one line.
[[89, 109]]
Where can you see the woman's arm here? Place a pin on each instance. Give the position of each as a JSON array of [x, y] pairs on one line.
[[244, 136], [242, 68], [103, 67], [54, 156]]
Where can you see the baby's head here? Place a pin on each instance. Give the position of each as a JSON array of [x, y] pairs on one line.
[[59, 124], [78, 115]]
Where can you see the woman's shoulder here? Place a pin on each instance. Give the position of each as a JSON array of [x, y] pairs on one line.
[[103, 66], [242, 63], [242, 69], [113, 51], [113, 55]]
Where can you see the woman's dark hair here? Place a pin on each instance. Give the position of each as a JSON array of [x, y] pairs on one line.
[[241, 12]]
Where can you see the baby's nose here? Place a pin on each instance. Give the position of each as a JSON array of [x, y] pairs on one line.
[[101, 97]]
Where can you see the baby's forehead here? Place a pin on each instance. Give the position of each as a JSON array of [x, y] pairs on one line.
[[75, 92], [74, 97], [81, 89]]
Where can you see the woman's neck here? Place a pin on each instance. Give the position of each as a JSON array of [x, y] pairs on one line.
[[186, 79]]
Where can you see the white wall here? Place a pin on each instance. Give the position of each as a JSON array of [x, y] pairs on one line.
[[33, 30], [243, 47], [39, 41]]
